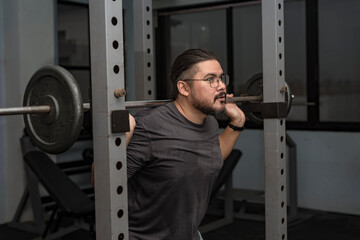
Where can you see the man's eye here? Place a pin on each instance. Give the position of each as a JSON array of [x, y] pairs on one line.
[[211, 79]]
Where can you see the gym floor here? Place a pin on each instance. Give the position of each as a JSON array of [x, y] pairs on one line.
[[320, 226]]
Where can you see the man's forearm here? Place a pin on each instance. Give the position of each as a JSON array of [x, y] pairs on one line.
[[227, 141]]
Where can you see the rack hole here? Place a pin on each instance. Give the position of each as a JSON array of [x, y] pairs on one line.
[[114, 21], [121, 236], [282, 155], [148, 36], [280, 39], [283, 220], [280, 72], [280, 55], [120, 213], [148, 50], [281, 139], [281, 122], [116, 69], [282, 204], [279, 22], [149, 78], [117, 141], [147, 9], [148, 22], [279, 5], [282, 171], [282, 188], [149, 64], [115, 44], [119, 189], [118, 165], [149, 92]]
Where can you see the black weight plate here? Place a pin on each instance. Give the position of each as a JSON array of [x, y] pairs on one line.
[[288, 97], [254, 87], [54, 132]]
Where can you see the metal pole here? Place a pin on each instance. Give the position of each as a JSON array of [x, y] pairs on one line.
[[107, 74], [153, 103], [32, 109], [293, 203], [24, 110], [128, 105], [274, 128], [143, 47], [244, 99]]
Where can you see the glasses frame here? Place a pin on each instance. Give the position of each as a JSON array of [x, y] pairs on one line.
[[223, 78]]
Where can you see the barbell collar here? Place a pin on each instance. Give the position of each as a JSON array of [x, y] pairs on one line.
[[86, 107]]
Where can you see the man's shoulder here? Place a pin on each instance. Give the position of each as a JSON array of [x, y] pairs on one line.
[[152, 111], [154, 114]]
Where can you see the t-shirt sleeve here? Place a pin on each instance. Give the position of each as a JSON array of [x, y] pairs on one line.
[[139, 150]]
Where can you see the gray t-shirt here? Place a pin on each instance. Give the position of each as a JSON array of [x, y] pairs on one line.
[[172, 165]]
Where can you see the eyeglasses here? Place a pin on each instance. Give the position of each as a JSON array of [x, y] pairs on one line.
[[213, 80]]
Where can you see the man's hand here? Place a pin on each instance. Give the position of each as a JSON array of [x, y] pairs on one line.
[[237, 117], [129, 134], [229, 136]]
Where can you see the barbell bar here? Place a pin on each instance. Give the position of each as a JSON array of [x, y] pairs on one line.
[[45, 109], [53, 109], [25, 110], [153, 103]]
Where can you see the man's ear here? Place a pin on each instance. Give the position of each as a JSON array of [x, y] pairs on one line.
[[183, 87]]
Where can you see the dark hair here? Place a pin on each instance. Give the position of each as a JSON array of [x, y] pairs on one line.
[[183, 66]]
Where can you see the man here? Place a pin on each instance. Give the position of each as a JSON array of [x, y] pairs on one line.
[[175, 152]]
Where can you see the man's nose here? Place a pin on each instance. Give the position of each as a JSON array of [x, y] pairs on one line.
[[221, 85]]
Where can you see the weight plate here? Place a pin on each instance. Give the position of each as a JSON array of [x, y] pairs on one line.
[[54, 132], [288, 97], [254, 87]]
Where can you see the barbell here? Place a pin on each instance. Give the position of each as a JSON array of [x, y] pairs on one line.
[[53, 108]]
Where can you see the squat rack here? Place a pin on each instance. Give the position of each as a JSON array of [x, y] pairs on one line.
[[107, 74]]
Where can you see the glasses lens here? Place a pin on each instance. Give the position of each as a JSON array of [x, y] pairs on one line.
[[225, 79], [216, 82]]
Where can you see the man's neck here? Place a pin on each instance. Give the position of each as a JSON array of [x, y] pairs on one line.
[[189, 112]]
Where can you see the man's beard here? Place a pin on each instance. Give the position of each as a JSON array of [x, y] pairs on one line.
[[208, 109]]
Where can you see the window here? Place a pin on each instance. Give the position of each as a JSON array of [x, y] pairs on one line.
[[295, 58], [192, 30], [339, 52], [247, 44], [73, 43], [321, 52], [248, 51]]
